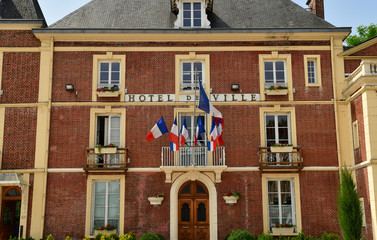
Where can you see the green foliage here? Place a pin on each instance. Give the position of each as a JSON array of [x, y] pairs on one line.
[[68, 238], [149, 236], [85, 238], [241, 235], [49, 237], [364, 33], [114, 236], [129, 236], [98, 236], [265, 237], [160, 236], [330, 236], [349, 208]]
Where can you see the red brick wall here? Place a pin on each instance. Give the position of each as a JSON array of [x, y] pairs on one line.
[[69, 137], [19, 138], [351, 65], [357, 114], [154, 72], [20, 80], [369, 51], [318, 202], [363, 190], [65, 205], [316, 134], [18, 38]]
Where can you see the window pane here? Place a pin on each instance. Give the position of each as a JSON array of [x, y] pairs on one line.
[[104, 77], [100, 187], [283, 121], [197, 14], [186, 6], [280, 76], [198, 66], [283, 134], [272, 186], [113, 212], [99, 223], [114, 187], [186, 14], [268, 66], [269, 76], [186, 22], [115, 77], [201, 212], [186, 67], [197, 22], [279, 66], [100, 200], [115, 122], [286, 199], [285, 186], [273, 199], [99, 212], [270, 121], [197, 6], [104, 67], [270, 134], [185, 212], [186, 189], [115, 67]]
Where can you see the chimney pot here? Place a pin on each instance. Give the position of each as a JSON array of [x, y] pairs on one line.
[[316, 7]]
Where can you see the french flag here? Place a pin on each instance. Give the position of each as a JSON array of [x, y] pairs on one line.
[[173, 136], [199, 130], [184, 133], [211, 146], [214, 133], [206, 105], [158, 130], [220, 132]]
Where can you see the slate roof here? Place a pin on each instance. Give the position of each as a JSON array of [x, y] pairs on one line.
[[20, 10], [157, 14]]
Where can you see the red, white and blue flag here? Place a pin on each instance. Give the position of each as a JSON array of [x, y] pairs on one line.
[[173, 136], [214, 133], [184, 132], [158, 130], [206, 105], [199, 130], [211, 146]]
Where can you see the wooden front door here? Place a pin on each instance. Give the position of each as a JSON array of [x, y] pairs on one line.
[[10, 212], [193, 206]]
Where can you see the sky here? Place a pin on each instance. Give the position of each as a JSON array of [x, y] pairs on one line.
[[341, 13]]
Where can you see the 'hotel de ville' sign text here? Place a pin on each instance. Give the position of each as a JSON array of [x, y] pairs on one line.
[[241, 97]]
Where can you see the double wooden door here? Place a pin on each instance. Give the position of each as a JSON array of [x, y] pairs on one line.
[[193, 221], [10, 212]]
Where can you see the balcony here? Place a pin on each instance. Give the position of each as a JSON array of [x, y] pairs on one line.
[[365, 74], [291, 160], [184, 161], [109, 161]]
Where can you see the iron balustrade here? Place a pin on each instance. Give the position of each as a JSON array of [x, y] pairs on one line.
[[183, 157], [106, 160], [280, 159]]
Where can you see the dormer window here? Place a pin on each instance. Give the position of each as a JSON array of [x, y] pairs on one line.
[[191, 14]]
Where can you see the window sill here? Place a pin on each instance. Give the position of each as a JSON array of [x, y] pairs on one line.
[[108, 94], [276, 92]]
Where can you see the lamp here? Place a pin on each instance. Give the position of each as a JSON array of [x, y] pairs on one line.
[[235, 87], [69, 88]]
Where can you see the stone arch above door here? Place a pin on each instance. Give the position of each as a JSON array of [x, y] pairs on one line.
[[212, 192]]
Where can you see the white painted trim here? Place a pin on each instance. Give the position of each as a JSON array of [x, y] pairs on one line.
[[63, 170], [320, 168], [174, 191], [242, 169]]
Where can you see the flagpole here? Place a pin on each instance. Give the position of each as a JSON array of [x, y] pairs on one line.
[[192, 137]]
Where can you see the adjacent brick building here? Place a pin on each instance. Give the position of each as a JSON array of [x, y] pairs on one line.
[[274, 70]]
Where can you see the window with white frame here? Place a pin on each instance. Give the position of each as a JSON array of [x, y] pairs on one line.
[[108, 130], [200, 151], [281, 202], [275, 73], [312, 72], [355, 132], [105, 203], [109, 74], [191, 73], [192, 14], [278, 128]]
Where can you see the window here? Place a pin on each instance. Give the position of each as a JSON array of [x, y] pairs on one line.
[[312, 70], [109, 71], [189, 69], [106, 203], [277, 129], [109, 74], [362, 205], [192, 14], [274, 73], [108, 130], [191, 72], [200, 151], [281, 202]]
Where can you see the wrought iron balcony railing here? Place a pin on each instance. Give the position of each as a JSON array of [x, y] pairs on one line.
[[184, 157], [106, 161], [280, 159]]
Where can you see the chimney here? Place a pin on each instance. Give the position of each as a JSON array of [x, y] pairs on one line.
[[316, 7]]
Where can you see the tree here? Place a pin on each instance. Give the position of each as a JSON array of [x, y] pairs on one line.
[[349, 208], [364, 33]]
